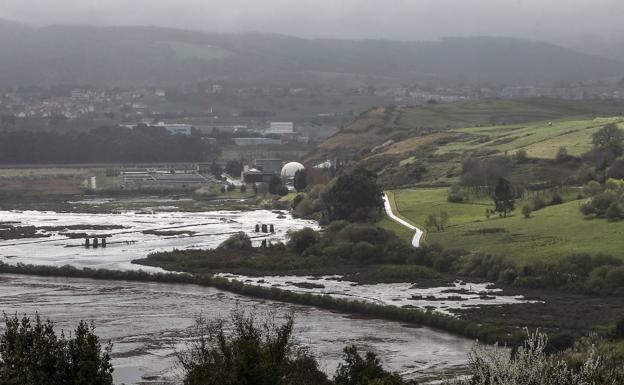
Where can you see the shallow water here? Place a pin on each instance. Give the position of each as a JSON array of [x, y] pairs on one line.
[[442, 299], [146, 320], [129, 243]]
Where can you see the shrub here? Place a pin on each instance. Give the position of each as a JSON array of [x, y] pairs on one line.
[[556, 200], [526, 211], [31, 353], [529, 364], [248, 352], [358, 370], [455, 198], [613, 213], [238, 241], [243, 188], [538, 203], [299, 241], [363, 252]]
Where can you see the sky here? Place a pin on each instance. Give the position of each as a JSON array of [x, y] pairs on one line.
[[376, 19]]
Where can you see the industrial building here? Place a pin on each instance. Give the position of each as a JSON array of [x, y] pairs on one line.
[[136, 179]]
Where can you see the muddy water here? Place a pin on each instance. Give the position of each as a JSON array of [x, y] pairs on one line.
[[146, 320]]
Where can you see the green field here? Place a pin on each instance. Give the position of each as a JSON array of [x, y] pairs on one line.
[[499, 112], [549, 234], [539, 139]]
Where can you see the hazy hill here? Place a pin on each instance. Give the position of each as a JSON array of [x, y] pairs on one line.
[[149, 55]]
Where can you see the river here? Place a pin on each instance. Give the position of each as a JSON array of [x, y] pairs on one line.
[[145, 321]]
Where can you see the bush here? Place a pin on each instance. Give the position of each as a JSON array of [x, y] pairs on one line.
[[526, 211], [364, 253], [556, 200], [299, 241], [248, 352], [613, 213], [243, 188], [238, 241], [529, 364], [32, 354], [538, 203]]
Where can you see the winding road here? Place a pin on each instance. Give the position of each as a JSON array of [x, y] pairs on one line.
[[418, 233]]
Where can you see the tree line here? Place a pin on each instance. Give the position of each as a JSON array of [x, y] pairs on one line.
[[141, 144]]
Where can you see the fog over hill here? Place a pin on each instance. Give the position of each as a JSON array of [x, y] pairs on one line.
[[151, 55]]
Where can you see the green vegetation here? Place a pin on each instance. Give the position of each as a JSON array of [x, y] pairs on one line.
[[31, 353], [540, 139], [551, 233], [531, 364], [354, 195], [246, 350]]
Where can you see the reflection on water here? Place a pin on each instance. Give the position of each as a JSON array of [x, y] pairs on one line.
[[146, 320]]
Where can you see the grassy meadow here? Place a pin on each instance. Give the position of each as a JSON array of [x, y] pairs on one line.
[[550, 233], [540, 139]]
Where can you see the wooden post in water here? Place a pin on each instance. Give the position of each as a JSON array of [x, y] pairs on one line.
[[103, 242], [264, 244], [272, 228], [264, 228], [95, 243], [257, 228], [87, 243]]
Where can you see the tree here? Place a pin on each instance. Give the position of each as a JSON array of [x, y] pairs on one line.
[[32, 354], [610, 133], [238, 241], [367, 370], [247, 351], [354, 196], [503, 197], [522, 156], [243, 188], [527, 210], [616, 170], [300, 240], [234, 167], [275, 185], [300, 180], [562, 155]]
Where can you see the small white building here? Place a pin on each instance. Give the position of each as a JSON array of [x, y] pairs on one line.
[[281, 128], [176, 128]]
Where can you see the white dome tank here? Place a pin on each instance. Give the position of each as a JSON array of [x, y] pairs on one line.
[[289, 170]]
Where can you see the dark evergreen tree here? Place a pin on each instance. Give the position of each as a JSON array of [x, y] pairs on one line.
[[504, 199], [300, 181]]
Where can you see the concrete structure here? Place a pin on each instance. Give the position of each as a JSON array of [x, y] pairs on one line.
[[269, 165], [164, 179], [256, 176]]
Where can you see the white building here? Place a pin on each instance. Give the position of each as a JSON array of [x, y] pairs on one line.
[[176, 128], [281, 128]]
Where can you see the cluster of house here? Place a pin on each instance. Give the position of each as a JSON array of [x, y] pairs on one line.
[[275, 133]]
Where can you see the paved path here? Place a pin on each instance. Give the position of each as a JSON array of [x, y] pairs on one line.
[[418, 233]]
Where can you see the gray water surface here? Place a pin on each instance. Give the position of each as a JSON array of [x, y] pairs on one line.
[[145, 321]]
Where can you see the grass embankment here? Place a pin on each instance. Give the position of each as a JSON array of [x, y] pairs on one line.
[[549, 234], [412, 316]]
